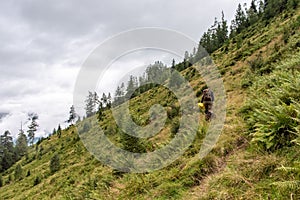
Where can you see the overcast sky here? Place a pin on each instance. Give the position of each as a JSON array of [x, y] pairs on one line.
[[44, 43]]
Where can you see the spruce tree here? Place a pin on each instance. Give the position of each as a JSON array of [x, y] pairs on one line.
[[90, 104], [54, 163], [73, 115], [109, 101], [21, 144], [18, 172], [104, 100], [58, 131], [173, 64], [240, 19], [1, 181], [7, 151], [252, 13], [32, 128], [100, 112], [130, 87]]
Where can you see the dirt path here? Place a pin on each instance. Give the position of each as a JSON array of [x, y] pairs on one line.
[[198, 191]]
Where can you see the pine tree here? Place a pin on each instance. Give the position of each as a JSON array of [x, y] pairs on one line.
[[73, 115], [130, 87], [58, 131], [240, 19], [109, 101], [18, 172], [175, 80], [253, 6], [104, 100], [292, 4], [173, 64], [122, 88], [90, 104], [252, 13], [261, 8], [32, 128], [100, 112], [96, 100], [7, 151], [130, 143], [1, 181], [54, 163], [21, 144], [117, 97]]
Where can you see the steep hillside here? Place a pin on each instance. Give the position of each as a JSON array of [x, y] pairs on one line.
[[237, 168]]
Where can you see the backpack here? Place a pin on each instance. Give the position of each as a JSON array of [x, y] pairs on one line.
[[207, 95]]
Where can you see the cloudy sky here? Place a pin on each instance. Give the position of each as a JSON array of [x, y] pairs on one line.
[[43, 44]]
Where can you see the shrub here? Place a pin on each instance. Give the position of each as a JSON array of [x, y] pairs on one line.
[[175, 127], [256, 63], [173, 112]]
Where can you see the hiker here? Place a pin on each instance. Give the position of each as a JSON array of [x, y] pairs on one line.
[[207, 100]]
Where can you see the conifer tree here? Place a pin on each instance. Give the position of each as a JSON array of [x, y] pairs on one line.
[[32, 128], [7, 151], [240, 19], [54, 163], [21, 144], [73, 115], [100, 112], [18, 172], [58, 131], [90, 104], [104, 100], [109, 101], [1, 181]]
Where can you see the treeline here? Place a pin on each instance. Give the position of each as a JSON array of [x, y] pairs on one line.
[[217, 35], [11, 152], [220, 33], [157, 72]]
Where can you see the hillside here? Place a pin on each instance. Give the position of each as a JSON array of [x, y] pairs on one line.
[[259, 64]]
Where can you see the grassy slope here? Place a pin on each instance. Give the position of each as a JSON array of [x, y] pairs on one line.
[[232, 170], [249, 172]]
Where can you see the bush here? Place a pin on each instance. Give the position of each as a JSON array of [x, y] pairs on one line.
[[175, 127], [256, 64], [173, 112]]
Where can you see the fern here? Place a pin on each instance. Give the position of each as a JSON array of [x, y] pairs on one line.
[[287, 184], [273, 111]]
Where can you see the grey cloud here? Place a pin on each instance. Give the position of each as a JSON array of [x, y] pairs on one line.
[[44, 43]]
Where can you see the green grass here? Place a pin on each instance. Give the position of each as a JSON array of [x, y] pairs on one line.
[[235, 169]]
